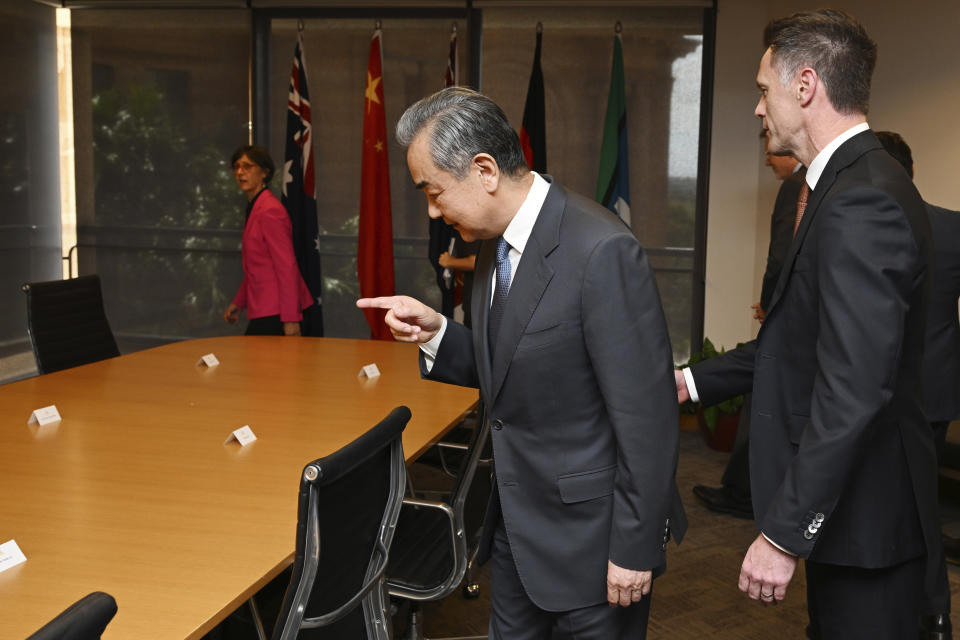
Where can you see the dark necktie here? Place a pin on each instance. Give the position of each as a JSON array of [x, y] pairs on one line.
[[500, 291], [801, 205]]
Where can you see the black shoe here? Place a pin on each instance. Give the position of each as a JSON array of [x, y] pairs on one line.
[[719, 499], [936, 627]]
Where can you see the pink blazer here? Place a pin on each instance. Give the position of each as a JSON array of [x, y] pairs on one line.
[[272, 283]]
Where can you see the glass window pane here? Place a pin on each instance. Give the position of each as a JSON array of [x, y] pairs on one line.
[[415, 56], [160, 102], [29, 171], [662, 51]]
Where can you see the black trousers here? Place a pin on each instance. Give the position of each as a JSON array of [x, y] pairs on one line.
[[736, 475], [264, 326], [851, 603], [937, 587], [515, 617]]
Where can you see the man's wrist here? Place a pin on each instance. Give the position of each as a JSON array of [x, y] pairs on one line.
[[768, 539], [431, 346]]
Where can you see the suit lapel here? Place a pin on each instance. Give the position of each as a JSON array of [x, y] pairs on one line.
[[843, 157], [480, 310], [532, 277]]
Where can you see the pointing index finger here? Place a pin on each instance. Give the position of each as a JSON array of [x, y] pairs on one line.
[[386, 302]]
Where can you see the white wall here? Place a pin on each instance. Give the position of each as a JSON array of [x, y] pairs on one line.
[[916, 92]]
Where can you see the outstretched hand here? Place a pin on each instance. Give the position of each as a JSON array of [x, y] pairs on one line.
[[408, 319], [683, 394]]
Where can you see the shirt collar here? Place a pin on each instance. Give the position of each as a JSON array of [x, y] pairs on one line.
[[518, 231], [820, 162]]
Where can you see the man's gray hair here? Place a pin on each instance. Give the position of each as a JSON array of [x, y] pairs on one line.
[[460, 124]]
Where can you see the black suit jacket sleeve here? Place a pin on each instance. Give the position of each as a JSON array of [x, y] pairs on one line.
[[725, 376], [455, 362], [941, 353], [867, 266], [630, 353]]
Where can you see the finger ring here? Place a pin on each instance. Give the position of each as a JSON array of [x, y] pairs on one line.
[[766, 595]]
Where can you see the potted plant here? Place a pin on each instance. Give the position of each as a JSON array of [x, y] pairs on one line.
[[718, 423]]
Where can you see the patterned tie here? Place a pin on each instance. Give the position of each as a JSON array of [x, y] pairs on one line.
[[801, 205], [500, 291]]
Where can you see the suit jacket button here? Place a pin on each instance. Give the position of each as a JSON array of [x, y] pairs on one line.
[[497, 424], [812, 529], [807, 535], [819, 517]]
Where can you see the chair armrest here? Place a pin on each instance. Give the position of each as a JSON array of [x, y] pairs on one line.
[[349, 605], [432, 504], [453, 446]]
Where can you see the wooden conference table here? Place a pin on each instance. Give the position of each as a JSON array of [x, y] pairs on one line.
[[135, 493]]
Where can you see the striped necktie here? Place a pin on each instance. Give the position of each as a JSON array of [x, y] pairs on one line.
[[801, 205], [500, 292]]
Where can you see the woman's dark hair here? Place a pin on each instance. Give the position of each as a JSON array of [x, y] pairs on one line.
[[258, 155]]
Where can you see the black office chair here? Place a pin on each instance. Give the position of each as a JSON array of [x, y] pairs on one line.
[[85, 619], [448, 456], [348, 508], [436, 540], [67, 324]]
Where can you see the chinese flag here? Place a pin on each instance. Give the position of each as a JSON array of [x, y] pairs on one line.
[[375, 250]]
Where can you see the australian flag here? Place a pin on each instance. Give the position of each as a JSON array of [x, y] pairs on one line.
[[299, 189]]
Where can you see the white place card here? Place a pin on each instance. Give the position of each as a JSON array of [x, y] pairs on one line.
[[369, 371], [208, 360], [45, 415], [10, 555], [243, 435]]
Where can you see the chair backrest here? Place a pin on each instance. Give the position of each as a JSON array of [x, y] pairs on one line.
[[347, 512], [85, 619], [67, 324]]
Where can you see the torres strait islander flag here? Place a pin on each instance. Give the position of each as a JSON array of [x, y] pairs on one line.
[[613, 184]]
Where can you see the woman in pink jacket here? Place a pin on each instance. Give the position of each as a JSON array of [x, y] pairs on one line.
[[273, 291]]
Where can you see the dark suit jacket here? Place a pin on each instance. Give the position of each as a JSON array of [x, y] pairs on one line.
[[781, 232], [841, 455], [941, 356], [581, 400]]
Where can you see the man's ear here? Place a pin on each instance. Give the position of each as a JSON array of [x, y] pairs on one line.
[[807, 86], [488, 171]]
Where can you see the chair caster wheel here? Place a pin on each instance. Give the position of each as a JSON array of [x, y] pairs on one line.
[[471, 591]]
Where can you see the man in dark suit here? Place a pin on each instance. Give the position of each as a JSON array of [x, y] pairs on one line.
[[733, 496], [941, 367], [843, 469], [569, 365]]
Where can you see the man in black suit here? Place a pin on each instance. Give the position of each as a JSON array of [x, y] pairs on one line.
[[733, 496], [843, 469], [569, 365], [941, 367]]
